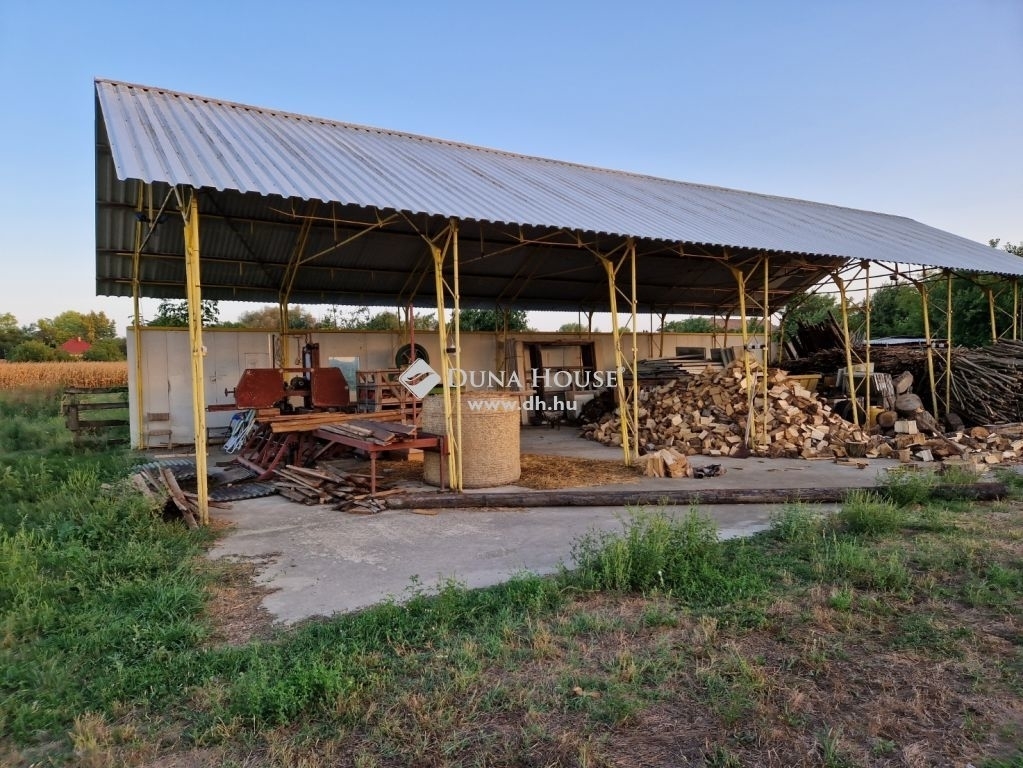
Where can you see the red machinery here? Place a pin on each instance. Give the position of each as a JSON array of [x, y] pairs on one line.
[[320, 388]]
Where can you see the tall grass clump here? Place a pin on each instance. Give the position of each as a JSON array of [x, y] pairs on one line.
[[866, 512], [682, 557], [798, 523], [907, 489]]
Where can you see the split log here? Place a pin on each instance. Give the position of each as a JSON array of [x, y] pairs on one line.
[[903, 383]]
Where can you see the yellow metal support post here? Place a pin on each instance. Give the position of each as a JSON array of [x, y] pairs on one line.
[[991, 311], [1015, 309], [628, 408], [847, 342], [753, 382], [194, 293], [140, 419], [740, 279], [925, 306], [948, 343], [866, 348], [456, 317], [452, 423], [767, 342]]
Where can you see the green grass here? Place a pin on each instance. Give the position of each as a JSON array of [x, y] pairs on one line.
[[657, 553], [870, 513], [107, 655]]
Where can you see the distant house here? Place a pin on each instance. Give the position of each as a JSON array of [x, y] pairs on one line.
[[76, 347]]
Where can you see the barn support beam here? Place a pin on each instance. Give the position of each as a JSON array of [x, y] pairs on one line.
[[190, 213], [925, 308], [140, 420], [765, 306], [450, 347], [949, 314], [740, 280], [291, 271], [847, 343], [755, 384], [867, 380], [1015, 309], [625, 365]]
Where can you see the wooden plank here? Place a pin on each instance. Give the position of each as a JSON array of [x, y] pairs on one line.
[[312, 421], [179, 498]]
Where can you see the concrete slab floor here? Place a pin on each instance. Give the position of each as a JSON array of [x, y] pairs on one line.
[[319, 561]]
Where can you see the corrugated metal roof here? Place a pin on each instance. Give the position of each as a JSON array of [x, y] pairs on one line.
[[157, 135]]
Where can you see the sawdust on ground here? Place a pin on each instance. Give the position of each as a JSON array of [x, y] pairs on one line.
[[539, 472]]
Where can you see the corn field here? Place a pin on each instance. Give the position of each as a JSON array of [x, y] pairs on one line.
[[65, 374]]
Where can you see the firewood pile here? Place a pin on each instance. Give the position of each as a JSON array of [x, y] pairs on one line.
[[347, 491], [910, 432], [711, 414], [668, 462], [986, 382]]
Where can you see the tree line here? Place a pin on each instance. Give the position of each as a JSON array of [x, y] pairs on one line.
[[40, 341], [896, 310], [175, 314]]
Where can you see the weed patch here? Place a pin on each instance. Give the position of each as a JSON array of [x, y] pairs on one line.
[[657, 553], [864, 512]]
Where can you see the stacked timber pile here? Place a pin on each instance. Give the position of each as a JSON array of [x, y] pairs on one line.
[[711, 414], [911, 433], [382, 434], [348, 491], [986, 383], [662, 368], [307, 422]]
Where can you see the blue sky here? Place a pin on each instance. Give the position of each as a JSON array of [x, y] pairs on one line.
[[910, 107]]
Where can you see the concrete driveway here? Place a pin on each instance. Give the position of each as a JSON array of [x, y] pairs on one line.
[[319, 561]]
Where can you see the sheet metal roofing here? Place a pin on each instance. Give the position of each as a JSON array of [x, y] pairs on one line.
[[161, 136]]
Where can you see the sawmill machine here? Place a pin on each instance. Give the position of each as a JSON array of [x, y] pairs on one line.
[[321, 388]]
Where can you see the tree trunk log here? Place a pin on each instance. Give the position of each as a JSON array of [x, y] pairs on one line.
[[568, 498]]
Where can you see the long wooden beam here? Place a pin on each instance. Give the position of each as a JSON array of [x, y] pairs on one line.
[[659, 498]]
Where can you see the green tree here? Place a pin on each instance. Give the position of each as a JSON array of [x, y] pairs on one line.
[[89, 326], [1016, 249], [11, 334], [361, 319], [106, 350], [691, 325], [806, 309], [573, 328], [173, 314], [425, 322], [492, 320], [269, 316], [896, 310], [383, 321], [32, 351]]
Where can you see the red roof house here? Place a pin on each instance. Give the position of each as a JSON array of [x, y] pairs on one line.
[[76, 347]]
